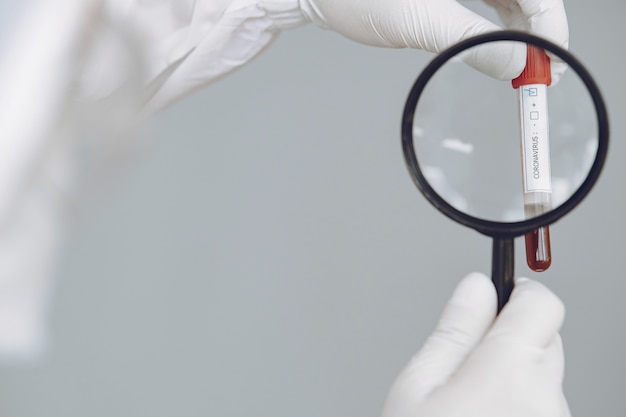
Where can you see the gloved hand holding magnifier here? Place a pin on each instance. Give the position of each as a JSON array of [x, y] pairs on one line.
[[506, 159]]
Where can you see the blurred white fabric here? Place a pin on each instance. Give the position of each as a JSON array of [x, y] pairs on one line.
[[92, 71]]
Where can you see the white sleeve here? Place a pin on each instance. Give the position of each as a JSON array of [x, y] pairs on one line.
[[82, 52], [187, 44], [34, 82]]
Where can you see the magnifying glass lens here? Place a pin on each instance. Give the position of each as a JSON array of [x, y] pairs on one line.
[[505, 158], [500, 153]]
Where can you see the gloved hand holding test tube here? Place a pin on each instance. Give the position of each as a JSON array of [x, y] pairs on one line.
[[532, 85]]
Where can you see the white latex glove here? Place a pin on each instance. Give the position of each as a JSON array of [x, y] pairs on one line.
[[478, 365], [434, 25]]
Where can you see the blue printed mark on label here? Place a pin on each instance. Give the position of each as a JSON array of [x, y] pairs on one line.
[[532, 92]]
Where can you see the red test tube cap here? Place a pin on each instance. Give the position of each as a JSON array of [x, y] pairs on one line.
[[537, 70]]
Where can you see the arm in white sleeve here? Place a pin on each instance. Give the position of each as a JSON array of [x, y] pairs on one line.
[[34, 81], [62, 70], [186, 45]]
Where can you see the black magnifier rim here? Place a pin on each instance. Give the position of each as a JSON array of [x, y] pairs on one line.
[[496, 228]]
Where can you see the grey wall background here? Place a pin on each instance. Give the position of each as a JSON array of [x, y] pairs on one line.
[[268, 254]]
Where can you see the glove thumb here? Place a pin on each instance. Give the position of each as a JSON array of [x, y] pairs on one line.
[[466, 318], [428, 25]]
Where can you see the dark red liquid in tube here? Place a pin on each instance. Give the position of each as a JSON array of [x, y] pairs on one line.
[[538, 253]]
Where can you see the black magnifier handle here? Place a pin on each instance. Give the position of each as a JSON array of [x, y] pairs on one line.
[[503, 268]]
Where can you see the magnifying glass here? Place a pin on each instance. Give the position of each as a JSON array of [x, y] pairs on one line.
[[476, 146]]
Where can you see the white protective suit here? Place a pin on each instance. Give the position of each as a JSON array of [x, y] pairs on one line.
[[61, 95]]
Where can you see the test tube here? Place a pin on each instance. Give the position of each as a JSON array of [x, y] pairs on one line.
[[532, 87]]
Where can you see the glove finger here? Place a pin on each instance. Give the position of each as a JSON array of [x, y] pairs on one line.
[[568, 413], [555, 357], [532, 317], [463, 323], [429, 25], [500, 60], [555, 361], [553, 366], [510, 14], [546, 19]]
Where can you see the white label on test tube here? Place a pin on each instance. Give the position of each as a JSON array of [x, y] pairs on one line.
[[535, 141]]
